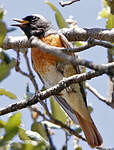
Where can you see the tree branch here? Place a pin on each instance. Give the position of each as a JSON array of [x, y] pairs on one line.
[[72, 34], [95, 92], [49, 92], [82, 34], [35, 42], [62, 3]]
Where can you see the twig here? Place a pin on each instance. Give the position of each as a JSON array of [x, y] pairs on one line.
[[59, 123], [111, 78], [49, 92], [62, 3], [95, 92], [109, 102], [52, 147], [90, 43], [31, 76], [17, 67], [102, 148]]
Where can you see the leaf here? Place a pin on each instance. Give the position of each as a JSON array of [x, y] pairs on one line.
[[57, 111], [6, 65], [35, 136], [1, 13], [22, 146], [90, 109], [3, 31], [23, 135], [59, 18], [110, 22], [104, 13], [2, 124], [39, 128], [12, 126], [78, 130], [8, 94], [79, 148], [5, 147]]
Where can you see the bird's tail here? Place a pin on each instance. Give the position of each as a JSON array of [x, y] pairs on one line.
[[92, 135]]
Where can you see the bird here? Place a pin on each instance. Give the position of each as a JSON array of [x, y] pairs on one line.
[[51, 69]]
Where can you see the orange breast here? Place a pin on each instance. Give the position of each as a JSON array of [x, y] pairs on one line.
[[41, 59]]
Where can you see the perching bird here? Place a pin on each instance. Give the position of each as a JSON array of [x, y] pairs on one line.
[[51, 69]]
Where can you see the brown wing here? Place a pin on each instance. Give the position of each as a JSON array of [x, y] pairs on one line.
[[66, 44]]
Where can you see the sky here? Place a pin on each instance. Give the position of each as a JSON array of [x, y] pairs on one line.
[[85, 13]]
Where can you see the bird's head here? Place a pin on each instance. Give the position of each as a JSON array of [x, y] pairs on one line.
[[34, 25]]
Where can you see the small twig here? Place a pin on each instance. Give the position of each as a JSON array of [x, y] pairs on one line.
[[62, 3], [17, 67], [52, 147], [102, 148], [103, 99], [31, 76], [59, 123], [111, 78], [90, 43], [95, 92]]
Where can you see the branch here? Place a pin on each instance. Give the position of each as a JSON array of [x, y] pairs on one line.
[[52, 147], [90, 43], [82, 34], [59, 123], [49, 92], [109, 102], [72, 34], [35, 42], [62, 3], [95, 92]]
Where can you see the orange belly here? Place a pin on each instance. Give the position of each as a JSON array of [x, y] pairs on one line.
[[42, 60]]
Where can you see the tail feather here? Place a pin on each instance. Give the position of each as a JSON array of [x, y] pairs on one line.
[[91, 133]]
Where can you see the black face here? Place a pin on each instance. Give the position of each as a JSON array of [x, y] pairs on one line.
[[31, 19], [34, 25]]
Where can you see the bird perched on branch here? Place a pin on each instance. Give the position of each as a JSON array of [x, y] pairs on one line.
[[51, 69]]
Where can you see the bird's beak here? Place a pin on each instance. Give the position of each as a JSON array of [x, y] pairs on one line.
[[21, 22]]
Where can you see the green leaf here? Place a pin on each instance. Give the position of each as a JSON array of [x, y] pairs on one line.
[[12, 126], [5, 147], [39, 128], [104, 13], [79, 148], [59, 18], [90, 109], [2, 124], [23, 135], [1, 13], [110, 22], [57, 111], [35, 136], [3, 31], [8, 94], [6, 65], [78, 130], [22, 146]]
